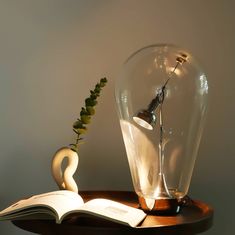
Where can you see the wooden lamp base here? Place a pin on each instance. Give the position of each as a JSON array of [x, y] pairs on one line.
[[167, 206]]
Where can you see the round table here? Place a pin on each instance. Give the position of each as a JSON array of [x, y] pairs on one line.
[[194, 218]]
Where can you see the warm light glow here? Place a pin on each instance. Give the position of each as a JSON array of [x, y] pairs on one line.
[[142, 154], [177, 71], [143, 123]]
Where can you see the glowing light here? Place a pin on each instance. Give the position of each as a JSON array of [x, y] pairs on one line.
[[142, 123], [177, 71]]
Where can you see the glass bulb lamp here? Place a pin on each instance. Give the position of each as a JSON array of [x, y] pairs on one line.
[[161, 95]]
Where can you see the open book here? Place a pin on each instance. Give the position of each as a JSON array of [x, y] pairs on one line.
[[62, 204]]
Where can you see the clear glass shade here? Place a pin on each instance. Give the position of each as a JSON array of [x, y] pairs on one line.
[[161, 96]]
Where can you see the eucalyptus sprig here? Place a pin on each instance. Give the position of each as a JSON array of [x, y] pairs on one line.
[[79, 127]]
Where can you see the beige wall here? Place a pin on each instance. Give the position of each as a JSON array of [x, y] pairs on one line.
[[52, 52]]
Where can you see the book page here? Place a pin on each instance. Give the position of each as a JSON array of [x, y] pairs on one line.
[[114, 211], [60, 202]]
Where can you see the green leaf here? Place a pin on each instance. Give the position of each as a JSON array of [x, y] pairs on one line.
[[97, 88], [93, 95], [104, 80], [78, 124], [97, 92], [90, 110], [82, 130], [90, 102], [83, 112], [85, 119], [102, 84]]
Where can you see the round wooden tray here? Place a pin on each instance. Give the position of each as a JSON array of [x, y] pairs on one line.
[[193, 219]]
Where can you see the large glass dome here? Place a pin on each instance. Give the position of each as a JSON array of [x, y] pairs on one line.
[[161, 95]]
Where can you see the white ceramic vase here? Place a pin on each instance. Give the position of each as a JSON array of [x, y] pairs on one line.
[[64, 179]]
